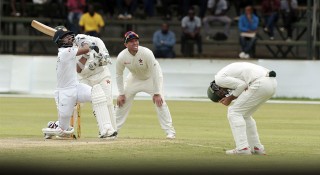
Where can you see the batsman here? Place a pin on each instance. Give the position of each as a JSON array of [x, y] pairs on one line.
[[70, 91]]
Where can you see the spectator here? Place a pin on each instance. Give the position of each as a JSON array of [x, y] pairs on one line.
[[240, 6], [164, 41], [183, 7], [167, 10], [108, 7], [187, 4], [14, 11], [91, 22], [191, 26], [149, 7], [289, 15], [270, 11], [75, 11], [248, 25], [126, 8], [217, 10]]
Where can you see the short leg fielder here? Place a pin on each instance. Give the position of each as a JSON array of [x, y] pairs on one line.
[[132, 87], [242, 124]]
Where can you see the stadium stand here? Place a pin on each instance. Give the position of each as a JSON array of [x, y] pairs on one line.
[[18, 37]]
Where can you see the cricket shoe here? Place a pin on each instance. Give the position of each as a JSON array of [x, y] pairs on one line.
[[244, 151], [48, 136], [171, 136], [258, 151], [109, 136]]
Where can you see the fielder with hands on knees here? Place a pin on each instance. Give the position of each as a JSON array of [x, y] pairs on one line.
[[251, 85], [69, 91], [145, 75]]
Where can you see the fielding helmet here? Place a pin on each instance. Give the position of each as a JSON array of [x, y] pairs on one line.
[[216, 93], [59, 35]]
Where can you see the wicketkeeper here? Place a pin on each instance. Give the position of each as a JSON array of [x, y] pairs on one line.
[[251, 85], [92, 70]]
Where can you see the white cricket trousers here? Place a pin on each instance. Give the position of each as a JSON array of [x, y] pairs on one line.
[[67, 98], [132, 87], [104, 79], [242, 124]]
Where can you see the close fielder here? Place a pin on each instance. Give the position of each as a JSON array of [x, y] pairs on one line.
[[145, 76], [69, 91], [251, 85]]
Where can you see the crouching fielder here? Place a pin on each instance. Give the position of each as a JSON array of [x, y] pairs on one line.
[[252, 85], [92, 70], [69, 91], [145, 76]]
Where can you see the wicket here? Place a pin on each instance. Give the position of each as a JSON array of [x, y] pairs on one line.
[[75, 121]]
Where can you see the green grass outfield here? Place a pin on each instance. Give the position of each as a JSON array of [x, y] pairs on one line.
[[289, 132]]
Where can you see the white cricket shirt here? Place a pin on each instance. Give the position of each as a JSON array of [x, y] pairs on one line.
[[239, 75], [143, 66], [66, 67]]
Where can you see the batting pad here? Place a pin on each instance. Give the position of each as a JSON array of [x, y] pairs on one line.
[[100, 110], [108, 93]]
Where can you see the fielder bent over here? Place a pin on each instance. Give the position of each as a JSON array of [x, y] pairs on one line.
[[145, 76], [252, 85]]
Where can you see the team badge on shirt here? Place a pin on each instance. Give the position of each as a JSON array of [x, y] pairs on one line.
[[140, 61]]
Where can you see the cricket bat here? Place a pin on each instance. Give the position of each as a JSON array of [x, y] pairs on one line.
[[43, 28]]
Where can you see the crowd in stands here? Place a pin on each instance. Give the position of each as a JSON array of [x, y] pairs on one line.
[[87, 16]]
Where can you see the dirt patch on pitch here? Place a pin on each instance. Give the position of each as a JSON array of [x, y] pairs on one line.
[[16, 143]]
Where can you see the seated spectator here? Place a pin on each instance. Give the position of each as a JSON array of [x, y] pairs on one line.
[[91, 22], [75, 11], [126, 8], [289, 15], [167, 11], [187, 4], [148, 6], [182, 8], [270, 12], [240, 6], [191, 26], [164, 41], [217, 10], [248, 24], [14, 11], [108, 7]]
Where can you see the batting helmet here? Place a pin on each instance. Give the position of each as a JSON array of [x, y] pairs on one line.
[[216, 93], [61, 28], [59, 35]]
